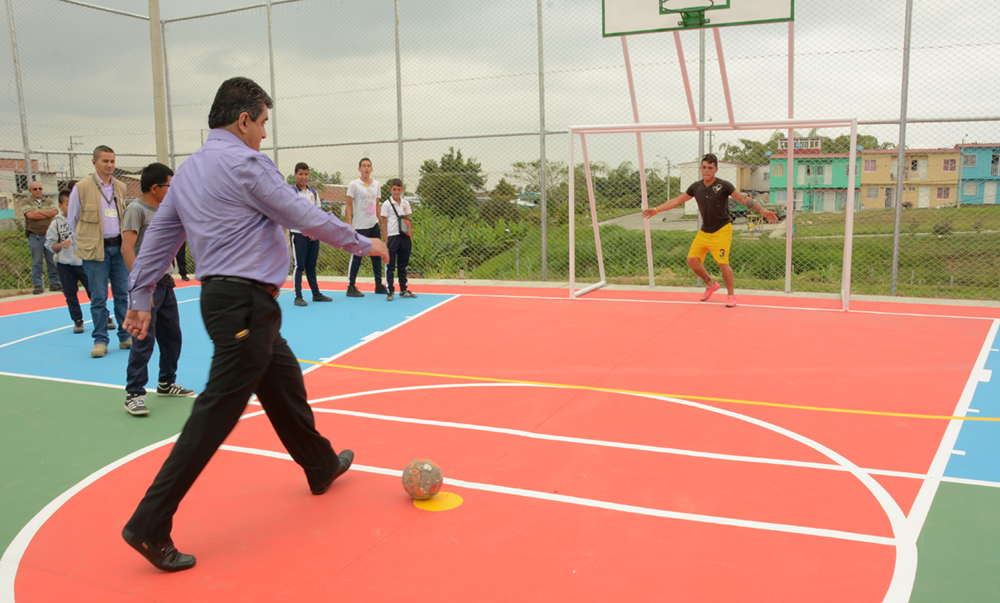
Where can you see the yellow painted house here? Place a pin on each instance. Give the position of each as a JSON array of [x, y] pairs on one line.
[[930, 177]]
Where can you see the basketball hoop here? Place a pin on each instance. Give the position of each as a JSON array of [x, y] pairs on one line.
[[692, 12]]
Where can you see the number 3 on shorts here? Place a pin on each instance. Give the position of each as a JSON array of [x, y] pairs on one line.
[[722, 253]]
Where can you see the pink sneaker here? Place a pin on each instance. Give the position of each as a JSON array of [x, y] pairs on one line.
[[709, 291], [731, 301]]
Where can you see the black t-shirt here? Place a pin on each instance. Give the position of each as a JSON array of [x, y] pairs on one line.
[[713, 203]]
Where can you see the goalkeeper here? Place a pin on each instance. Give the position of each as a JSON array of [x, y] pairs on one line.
[[716, 234]]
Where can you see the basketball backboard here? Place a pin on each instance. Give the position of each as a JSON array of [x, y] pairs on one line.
[[626, 17]]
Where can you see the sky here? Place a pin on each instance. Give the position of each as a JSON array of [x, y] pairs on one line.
[[471, 69]]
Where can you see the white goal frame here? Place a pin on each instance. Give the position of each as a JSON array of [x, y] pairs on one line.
[[695, 126]]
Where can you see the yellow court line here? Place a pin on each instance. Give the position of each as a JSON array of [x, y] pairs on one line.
[[684, 397]]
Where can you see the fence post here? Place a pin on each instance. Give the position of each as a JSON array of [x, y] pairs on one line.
[[20, 97], [901, 157], [399, 99], [159, 88], [541, 143], [270, 57]]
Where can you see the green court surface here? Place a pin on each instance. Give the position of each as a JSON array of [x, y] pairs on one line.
[[56, 434]]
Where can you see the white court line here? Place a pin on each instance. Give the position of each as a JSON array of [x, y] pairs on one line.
[[611, 506], [71, 326]]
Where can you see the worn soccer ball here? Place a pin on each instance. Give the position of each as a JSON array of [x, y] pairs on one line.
[[422, 479]]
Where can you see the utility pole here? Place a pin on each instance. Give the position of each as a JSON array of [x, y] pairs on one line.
[[72, 158]]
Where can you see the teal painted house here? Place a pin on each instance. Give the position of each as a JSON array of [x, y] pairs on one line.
[[979, 173], [820, 179]]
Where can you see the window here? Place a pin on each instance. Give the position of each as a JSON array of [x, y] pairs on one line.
[[971, 188], [766, 176], [969, 160], [914, 165], [950, 165], [820, 170], [995, 166], [778, 171], [870, 165], [809, 170], [22, 182], [781, 196], [943, 192], [871, 192]]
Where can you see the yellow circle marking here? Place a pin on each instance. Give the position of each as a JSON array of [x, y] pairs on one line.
[[442, 501], [641, 393]]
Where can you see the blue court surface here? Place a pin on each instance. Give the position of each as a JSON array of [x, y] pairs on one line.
[[42, 343], [977, 450]]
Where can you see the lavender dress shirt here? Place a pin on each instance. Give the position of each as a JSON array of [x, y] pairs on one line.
[[230, 202]]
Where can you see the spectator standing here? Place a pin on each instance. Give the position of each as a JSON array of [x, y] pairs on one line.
[[59, 242], [305, 250], [361, 212], [95, 209], [37, 212]]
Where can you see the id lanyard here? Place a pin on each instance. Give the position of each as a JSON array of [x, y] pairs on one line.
[[100, 189]]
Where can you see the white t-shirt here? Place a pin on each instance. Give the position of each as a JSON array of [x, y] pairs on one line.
[[309, 196], [391, 223], [365, 207]]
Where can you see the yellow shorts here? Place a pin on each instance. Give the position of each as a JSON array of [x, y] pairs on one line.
[[717, 242]]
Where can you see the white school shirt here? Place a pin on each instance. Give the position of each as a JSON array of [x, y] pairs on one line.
[[391, 223], [311, 196], [364, 213]]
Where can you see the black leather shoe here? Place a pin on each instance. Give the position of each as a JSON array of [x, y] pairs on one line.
[[163, 556], [346, 458], [380, 289]]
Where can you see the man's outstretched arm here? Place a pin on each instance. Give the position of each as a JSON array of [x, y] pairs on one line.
[[754, 205]]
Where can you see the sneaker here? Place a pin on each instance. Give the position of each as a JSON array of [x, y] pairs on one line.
[[731, 301], [173, 390], [111, 324], [380, 289], [408, 294], [321, 298], [300, 302], [55, 287], [38, 291], [135, 404], [709, 291], [78, 326], [99, 350], [125, 345], [352, 291], [389, 297]]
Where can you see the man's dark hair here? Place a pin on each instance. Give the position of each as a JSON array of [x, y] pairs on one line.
[[64, 194], [154, 173], [302, 165], [102, 149], [396, 182], [711, 158], [364, 159], [236, 96]]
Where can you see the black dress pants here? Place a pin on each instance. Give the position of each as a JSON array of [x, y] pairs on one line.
[[250, 357]]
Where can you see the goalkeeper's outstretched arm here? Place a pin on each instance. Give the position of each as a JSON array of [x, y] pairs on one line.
[[754, 205], [676, 201]]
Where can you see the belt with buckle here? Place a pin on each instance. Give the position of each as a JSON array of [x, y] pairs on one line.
[[270, 289]]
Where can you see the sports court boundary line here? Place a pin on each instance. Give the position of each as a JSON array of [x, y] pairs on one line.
[[605, 505]]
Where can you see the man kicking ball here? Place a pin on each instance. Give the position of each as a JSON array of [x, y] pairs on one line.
[[716, 234]]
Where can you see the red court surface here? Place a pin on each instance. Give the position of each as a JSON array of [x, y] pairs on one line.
[[605, 449]]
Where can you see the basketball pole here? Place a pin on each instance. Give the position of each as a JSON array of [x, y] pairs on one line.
[[642, 164]]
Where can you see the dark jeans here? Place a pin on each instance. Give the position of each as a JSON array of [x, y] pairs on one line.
[[182, 263], [36, 243], [113, 268], [250, 357], [165, 331], [374, 232], [69, 276], [304, 254], [399, 258]]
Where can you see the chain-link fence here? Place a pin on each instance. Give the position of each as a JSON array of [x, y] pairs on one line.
[[486, 93]]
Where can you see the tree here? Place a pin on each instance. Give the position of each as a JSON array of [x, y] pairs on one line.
[[529, 175], [452, 163], [504, 191]]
